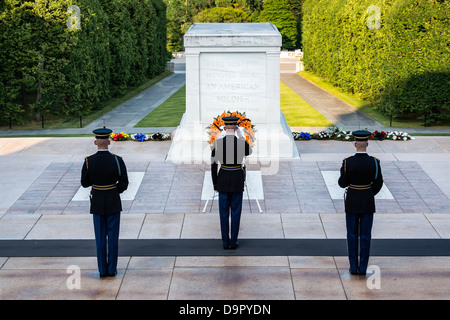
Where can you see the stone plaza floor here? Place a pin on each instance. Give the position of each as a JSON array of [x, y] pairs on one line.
[[293, 248]]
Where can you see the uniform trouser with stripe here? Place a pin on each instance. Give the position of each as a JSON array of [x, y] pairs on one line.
[[106, 229], [230, 203], [359, 234]]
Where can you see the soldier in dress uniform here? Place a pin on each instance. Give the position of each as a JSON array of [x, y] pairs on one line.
[[361, 175], [107, 174], [229, 181]]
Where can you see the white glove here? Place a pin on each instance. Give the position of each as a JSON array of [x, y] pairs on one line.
[[240, 133]]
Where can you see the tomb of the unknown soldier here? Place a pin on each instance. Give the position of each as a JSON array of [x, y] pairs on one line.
[[233, 67]]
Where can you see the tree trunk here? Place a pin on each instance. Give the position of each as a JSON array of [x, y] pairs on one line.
[[24, 94], [23, 91], [37, 115]]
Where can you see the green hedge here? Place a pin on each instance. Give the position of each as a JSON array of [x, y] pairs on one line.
[[401, 65], [47, 66], [221, 14], [279, 12]]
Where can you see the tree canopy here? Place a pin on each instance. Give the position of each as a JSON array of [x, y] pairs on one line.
[[279, 12], [220, 14], [284, 14], [393, 53], [66, 56]]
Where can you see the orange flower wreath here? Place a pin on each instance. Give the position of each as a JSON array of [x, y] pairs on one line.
[[216, 127]]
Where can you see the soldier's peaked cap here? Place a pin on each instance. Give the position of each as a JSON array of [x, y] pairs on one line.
[[361, 135], [102, 133], [230, 120]]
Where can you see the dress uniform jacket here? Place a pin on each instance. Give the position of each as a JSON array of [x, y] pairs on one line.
[[230, 152], [107, 174], [361, 174]]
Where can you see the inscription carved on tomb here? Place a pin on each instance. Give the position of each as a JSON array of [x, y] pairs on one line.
[[233, 81]]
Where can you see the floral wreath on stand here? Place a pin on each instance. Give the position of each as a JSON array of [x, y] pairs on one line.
[[217, 127]]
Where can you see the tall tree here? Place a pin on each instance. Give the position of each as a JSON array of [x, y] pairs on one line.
[[279, 13], [35, 51], [296, 8], [220, 14], [176, 18], [67, 56], [89, 71], [122, 43]]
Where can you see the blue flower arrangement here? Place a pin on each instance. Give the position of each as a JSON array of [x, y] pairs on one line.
[[140, 137], [301, 136]]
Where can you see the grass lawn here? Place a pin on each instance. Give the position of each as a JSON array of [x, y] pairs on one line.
[[168, 114], [363, 106], [298, 112]]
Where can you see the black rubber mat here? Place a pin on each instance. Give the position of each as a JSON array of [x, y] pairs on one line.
[[212, 247]]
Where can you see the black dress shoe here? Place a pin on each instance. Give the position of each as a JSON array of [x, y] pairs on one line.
[[112, 274], [361, 273], [234, 247], [357, 272], [103, 275]]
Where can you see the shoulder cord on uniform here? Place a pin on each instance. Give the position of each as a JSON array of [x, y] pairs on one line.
[[376, 168], [118, 165]]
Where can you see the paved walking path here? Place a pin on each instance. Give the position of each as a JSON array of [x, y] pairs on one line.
[[128, 114], [170, 239], [337, 111]]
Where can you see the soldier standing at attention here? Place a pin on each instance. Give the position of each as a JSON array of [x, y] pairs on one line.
[[229, 181], [107, 174], [361, 175]]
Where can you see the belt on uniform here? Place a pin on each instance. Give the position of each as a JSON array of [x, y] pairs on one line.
[[231, 168], [359, 186], [107, 187]]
